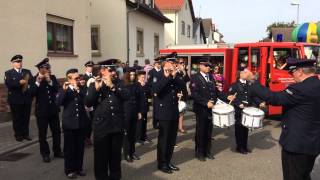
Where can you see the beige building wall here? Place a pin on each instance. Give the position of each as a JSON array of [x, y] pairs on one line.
[[25, 33], [150, 28], [110, 15], [171, 29], [185, 15]]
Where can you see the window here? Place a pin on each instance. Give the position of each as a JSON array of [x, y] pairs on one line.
[[59, 35], [183, 28], [188, 30], [95, 40], [281, 55], [156, 45], [243, 57], [255, 58], [140, 52]]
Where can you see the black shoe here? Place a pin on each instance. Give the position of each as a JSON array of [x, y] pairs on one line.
[[28, 138], [128, 159], [242, 151], [165, 169], [209, 156], [59, 155], [19, 139], [46, 159], [248, 150], [135, 157], [72, 175], [201, 158], [173, 167], [81, 173]]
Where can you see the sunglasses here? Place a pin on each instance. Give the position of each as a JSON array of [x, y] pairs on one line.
[[207, 65]]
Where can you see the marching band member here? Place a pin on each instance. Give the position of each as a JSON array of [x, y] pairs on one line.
[[45, 88], [300, 136], [18, 83], [131, 107], [242, 99], [88, 75], [107, 94], [74, 123], [153, 76], [166, 111], [204, 93], [143, 108]]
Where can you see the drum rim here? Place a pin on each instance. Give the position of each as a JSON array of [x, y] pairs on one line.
[[252, 115], [223, 113]]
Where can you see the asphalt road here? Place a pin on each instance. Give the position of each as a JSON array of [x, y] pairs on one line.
[[262, 164]]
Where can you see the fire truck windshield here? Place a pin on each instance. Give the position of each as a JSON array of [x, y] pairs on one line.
[[312, 52]]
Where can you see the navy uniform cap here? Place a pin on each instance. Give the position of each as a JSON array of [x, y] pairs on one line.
[[205, 62], [89, 64], [293, 63], [16, 58], [43, 63], [110, 63]]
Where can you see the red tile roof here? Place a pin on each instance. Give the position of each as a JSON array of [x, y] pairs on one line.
[[169, 4], [175, 5]]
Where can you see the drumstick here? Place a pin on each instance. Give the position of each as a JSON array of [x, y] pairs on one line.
[[235, 94], [180, 97]]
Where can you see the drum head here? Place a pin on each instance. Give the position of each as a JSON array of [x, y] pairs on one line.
[[253, 111], [222, 108]]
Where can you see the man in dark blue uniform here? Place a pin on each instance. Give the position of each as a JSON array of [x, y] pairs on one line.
[[204, 93], [243, 99], [108, 95], [300, 136], [74, 123], [18, 81], [166, 111], [44, 88], [153, 76], [86, 76]]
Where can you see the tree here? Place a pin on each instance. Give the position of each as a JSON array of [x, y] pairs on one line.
[[279, 25]]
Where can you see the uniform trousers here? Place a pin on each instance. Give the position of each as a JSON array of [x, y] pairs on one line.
[[241, 134], [20, 119], [166, 140], [142, 127], [203, 134], [73, 150], [107, 156], [131, 133], [297, 166], [54, 124]]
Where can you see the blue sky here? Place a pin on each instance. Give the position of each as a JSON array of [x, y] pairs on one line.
[[246, 20]]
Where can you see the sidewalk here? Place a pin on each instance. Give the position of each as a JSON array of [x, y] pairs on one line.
[[7, 141]]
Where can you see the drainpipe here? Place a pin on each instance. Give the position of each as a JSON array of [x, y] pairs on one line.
[[175, 28], [128, 38]]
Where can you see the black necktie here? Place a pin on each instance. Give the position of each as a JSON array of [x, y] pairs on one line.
[[207, 78]]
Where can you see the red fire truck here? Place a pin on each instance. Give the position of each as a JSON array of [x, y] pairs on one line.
[[264, 59]]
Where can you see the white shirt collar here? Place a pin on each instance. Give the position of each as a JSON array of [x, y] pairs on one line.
[[18, 70], [157, 69], [204, 75], [242, 81], [89, 74], [71, 87]]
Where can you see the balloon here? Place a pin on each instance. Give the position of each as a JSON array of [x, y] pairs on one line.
[[306, 32]]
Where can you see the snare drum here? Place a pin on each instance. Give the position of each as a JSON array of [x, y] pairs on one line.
[[252, 117], [223, 115]]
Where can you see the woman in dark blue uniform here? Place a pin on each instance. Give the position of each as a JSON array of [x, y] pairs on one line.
[[243, 99], [131, 115]]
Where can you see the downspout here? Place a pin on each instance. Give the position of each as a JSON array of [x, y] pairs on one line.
[[175, 28], [128, 38]]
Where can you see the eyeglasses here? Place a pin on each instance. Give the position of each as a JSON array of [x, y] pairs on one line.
[[207, 65]]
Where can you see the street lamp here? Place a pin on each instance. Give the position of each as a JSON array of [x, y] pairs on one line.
[[296, 3]]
